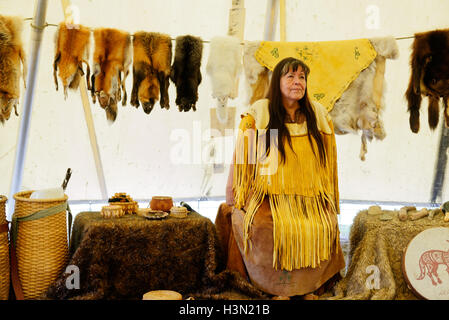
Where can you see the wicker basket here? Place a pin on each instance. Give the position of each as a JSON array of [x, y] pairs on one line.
[[4, 254], [41, 245]]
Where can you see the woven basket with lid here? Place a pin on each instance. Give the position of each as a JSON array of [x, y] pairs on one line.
[[4, 253], [41, 244]]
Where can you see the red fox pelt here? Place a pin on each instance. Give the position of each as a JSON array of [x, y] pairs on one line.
[[152, 54], [72, 49], [11, 57], [429, 63], [185, 72], [111, 59]]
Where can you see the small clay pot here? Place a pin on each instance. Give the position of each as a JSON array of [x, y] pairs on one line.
[[161, 203]]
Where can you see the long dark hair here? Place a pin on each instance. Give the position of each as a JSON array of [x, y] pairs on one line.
[[278, 112]]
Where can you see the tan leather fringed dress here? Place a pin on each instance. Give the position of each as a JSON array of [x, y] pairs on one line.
[[285, 216]]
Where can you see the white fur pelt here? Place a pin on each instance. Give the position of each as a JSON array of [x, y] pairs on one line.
[[356, 110], [224, 66], [255, 74]]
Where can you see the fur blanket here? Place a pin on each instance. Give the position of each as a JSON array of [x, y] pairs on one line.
[[127, 257], [360, 107], [374, 242]]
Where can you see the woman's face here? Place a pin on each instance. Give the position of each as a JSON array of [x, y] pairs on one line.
[[293, 85]]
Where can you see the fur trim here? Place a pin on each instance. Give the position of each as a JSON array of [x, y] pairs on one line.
[[223, 67], [429, 64], [257, 76], [151, 70], [186, 73], [72, 49], [12, 57], [112, 58], [356, 109]]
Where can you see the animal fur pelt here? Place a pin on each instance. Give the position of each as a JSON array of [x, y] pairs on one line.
[[429, 77], [185, 72], [72, 49], [131, 256], [112, 58], [224, 66], [12, 57], [360, 106], [151, 70], [257, 76]]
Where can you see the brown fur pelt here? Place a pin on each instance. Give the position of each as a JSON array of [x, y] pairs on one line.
[[378, 243], [127, 257], [12, 57], [151, 70], [72, 50], [429, 77], [186, 73], [112, 58]]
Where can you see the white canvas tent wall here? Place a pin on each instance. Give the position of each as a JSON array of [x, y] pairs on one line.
[[140, 153]]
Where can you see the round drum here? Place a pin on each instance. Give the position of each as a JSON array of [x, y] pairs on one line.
[[425, 264]]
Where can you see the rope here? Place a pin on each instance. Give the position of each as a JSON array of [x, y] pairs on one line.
[[173, 39]]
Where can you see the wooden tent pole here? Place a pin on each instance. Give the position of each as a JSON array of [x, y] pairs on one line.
[[282, 19], [88, 115], [38, 25]]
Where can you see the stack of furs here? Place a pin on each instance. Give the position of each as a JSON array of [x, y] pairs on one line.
[[151, 70], [360, 106], [429, 77], [72, 49], [112, 58], [224, 66], [11, 58], [185, 72]]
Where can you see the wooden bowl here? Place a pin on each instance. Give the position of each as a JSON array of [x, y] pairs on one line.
[[161, 203]]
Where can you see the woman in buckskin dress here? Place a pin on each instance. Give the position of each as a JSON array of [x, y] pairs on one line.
[[281, 230]]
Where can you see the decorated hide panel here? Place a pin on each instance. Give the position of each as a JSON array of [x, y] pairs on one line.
[[354, 97], [185, 71], [151, 70], [111, 60], [12, 58], [429, 77], [72, 50]]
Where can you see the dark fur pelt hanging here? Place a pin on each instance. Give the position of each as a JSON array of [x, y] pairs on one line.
[[430, 77], [12, 57], [151, 70], [185, 73]]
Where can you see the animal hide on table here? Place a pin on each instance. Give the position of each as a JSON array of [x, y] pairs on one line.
[[256, 75], [429, 77], [127, 257], [224, 66], [185, 71], [72, 49], [112, 58], [381, 244], [12, 57], [360, 106], [151, 70]]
